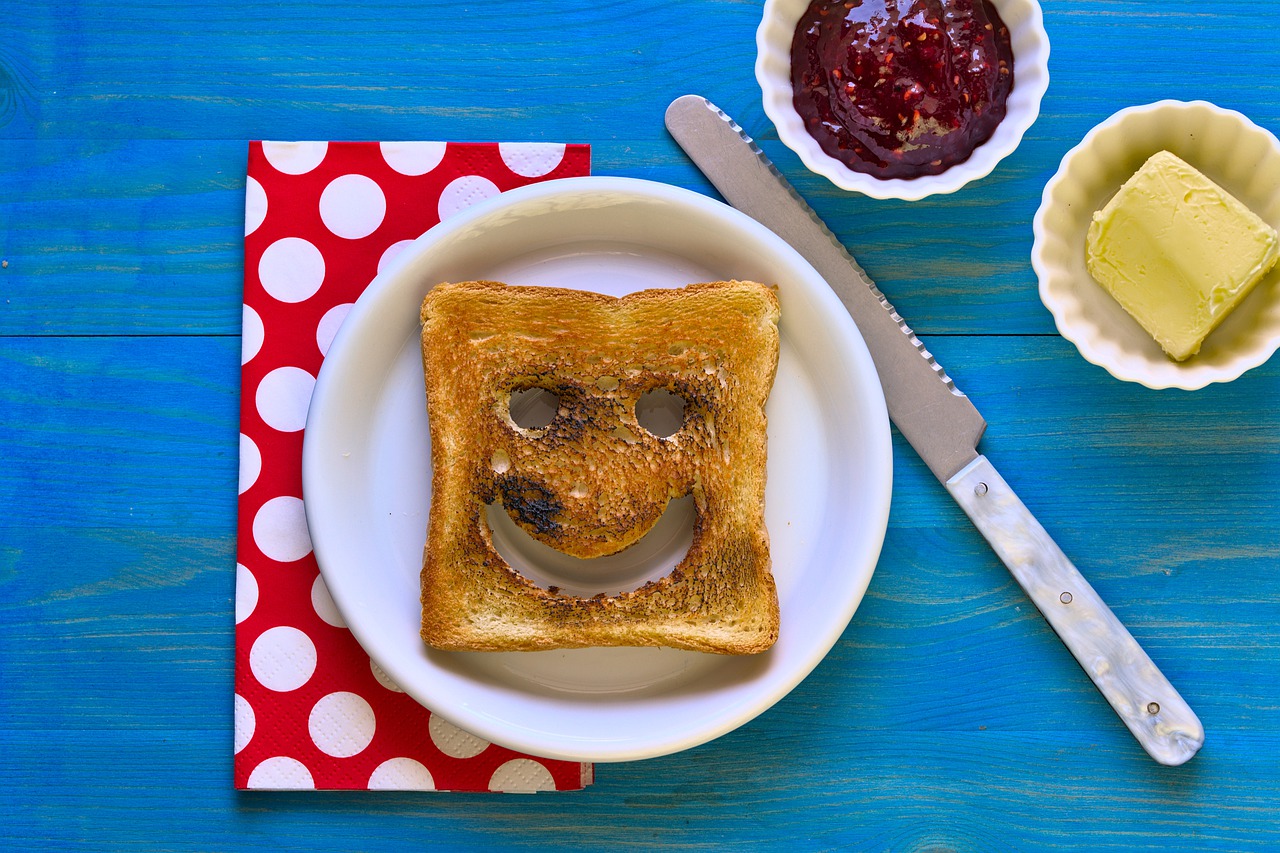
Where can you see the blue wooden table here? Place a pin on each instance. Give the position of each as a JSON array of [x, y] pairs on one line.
[[947, 717]]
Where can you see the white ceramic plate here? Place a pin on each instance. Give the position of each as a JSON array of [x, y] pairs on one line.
[[366, 471], [1030, 81], [1231, 150]]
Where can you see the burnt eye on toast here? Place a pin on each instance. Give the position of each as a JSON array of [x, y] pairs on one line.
[[661, 412], [533, 407]]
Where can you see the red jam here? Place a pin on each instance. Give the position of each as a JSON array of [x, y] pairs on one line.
[[901, 88]]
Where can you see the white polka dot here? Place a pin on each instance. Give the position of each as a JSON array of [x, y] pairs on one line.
[[413, 158], [291, 269], [353, 206], [452, 740], [245, 723], [282, 659], [393, 251], [281, 774], [323, 604], [522, 776], [252, 334], [327, 328], [341, 724], [463, 192], [401, 774], [532, 159], [283, 397], [246, 593], [295, 158], [250, 463], [255, 205], [280, 530], [384, 679]]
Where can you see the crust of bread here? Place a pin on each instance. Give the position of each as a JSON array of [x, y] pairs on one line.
[[593, 481]]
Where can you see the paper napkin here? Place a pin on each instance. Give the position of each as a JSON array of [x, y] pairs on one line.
[[311, 709]]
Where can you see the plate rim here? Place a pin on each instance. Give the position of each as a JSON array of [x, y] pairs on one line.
[[476, 721]]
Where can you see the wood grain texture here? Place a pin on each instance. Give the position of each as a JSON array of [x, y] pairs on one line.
[[948, 717]]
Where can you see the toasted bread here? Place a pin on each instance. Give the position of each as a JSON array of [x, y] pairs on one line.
[[593, 480]]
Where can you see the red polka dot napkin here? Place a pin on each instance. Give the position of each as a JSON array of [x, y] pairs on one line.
[[311, 709]]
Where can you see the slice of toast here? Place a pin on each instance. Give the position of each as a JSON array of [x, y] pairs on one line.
[[593, 480]]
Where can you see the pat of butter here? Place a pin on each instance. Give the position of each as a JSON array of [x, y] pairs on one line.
[[1178, 252]]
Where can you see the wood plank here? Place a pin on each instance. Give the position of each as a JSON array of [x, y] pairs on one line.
[[128, 483], [301, 69], [129, 183], [815, 784], [153, 230]]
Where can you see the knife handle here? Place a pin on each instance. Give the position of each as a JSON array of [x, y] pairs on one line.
[[1144, 699]]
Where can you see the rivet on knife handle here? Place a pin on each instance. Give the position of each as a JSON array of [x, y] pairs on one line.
[[944, 427]]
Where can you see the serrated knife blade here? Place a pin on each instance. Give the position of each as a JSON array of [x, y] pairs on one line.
[[944, 427]]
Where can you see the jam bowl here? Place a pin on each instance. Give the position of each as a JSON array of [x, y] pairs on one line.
[[902, 98]]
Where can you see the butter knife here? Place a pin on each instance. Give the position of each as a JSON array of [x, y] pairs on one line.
[[944, 427]]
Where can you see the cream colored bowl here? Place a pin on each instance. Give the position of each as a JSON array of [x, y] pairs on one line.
[[1232, 151], [1030, 80]]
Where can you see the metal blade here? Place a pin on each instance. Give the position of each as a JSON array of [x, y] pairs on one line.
[[924, 404], [944, 428]]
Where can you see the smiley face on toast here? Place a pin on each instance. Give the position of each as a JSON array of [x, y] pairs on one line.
[[591, 475], [595, 478]]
